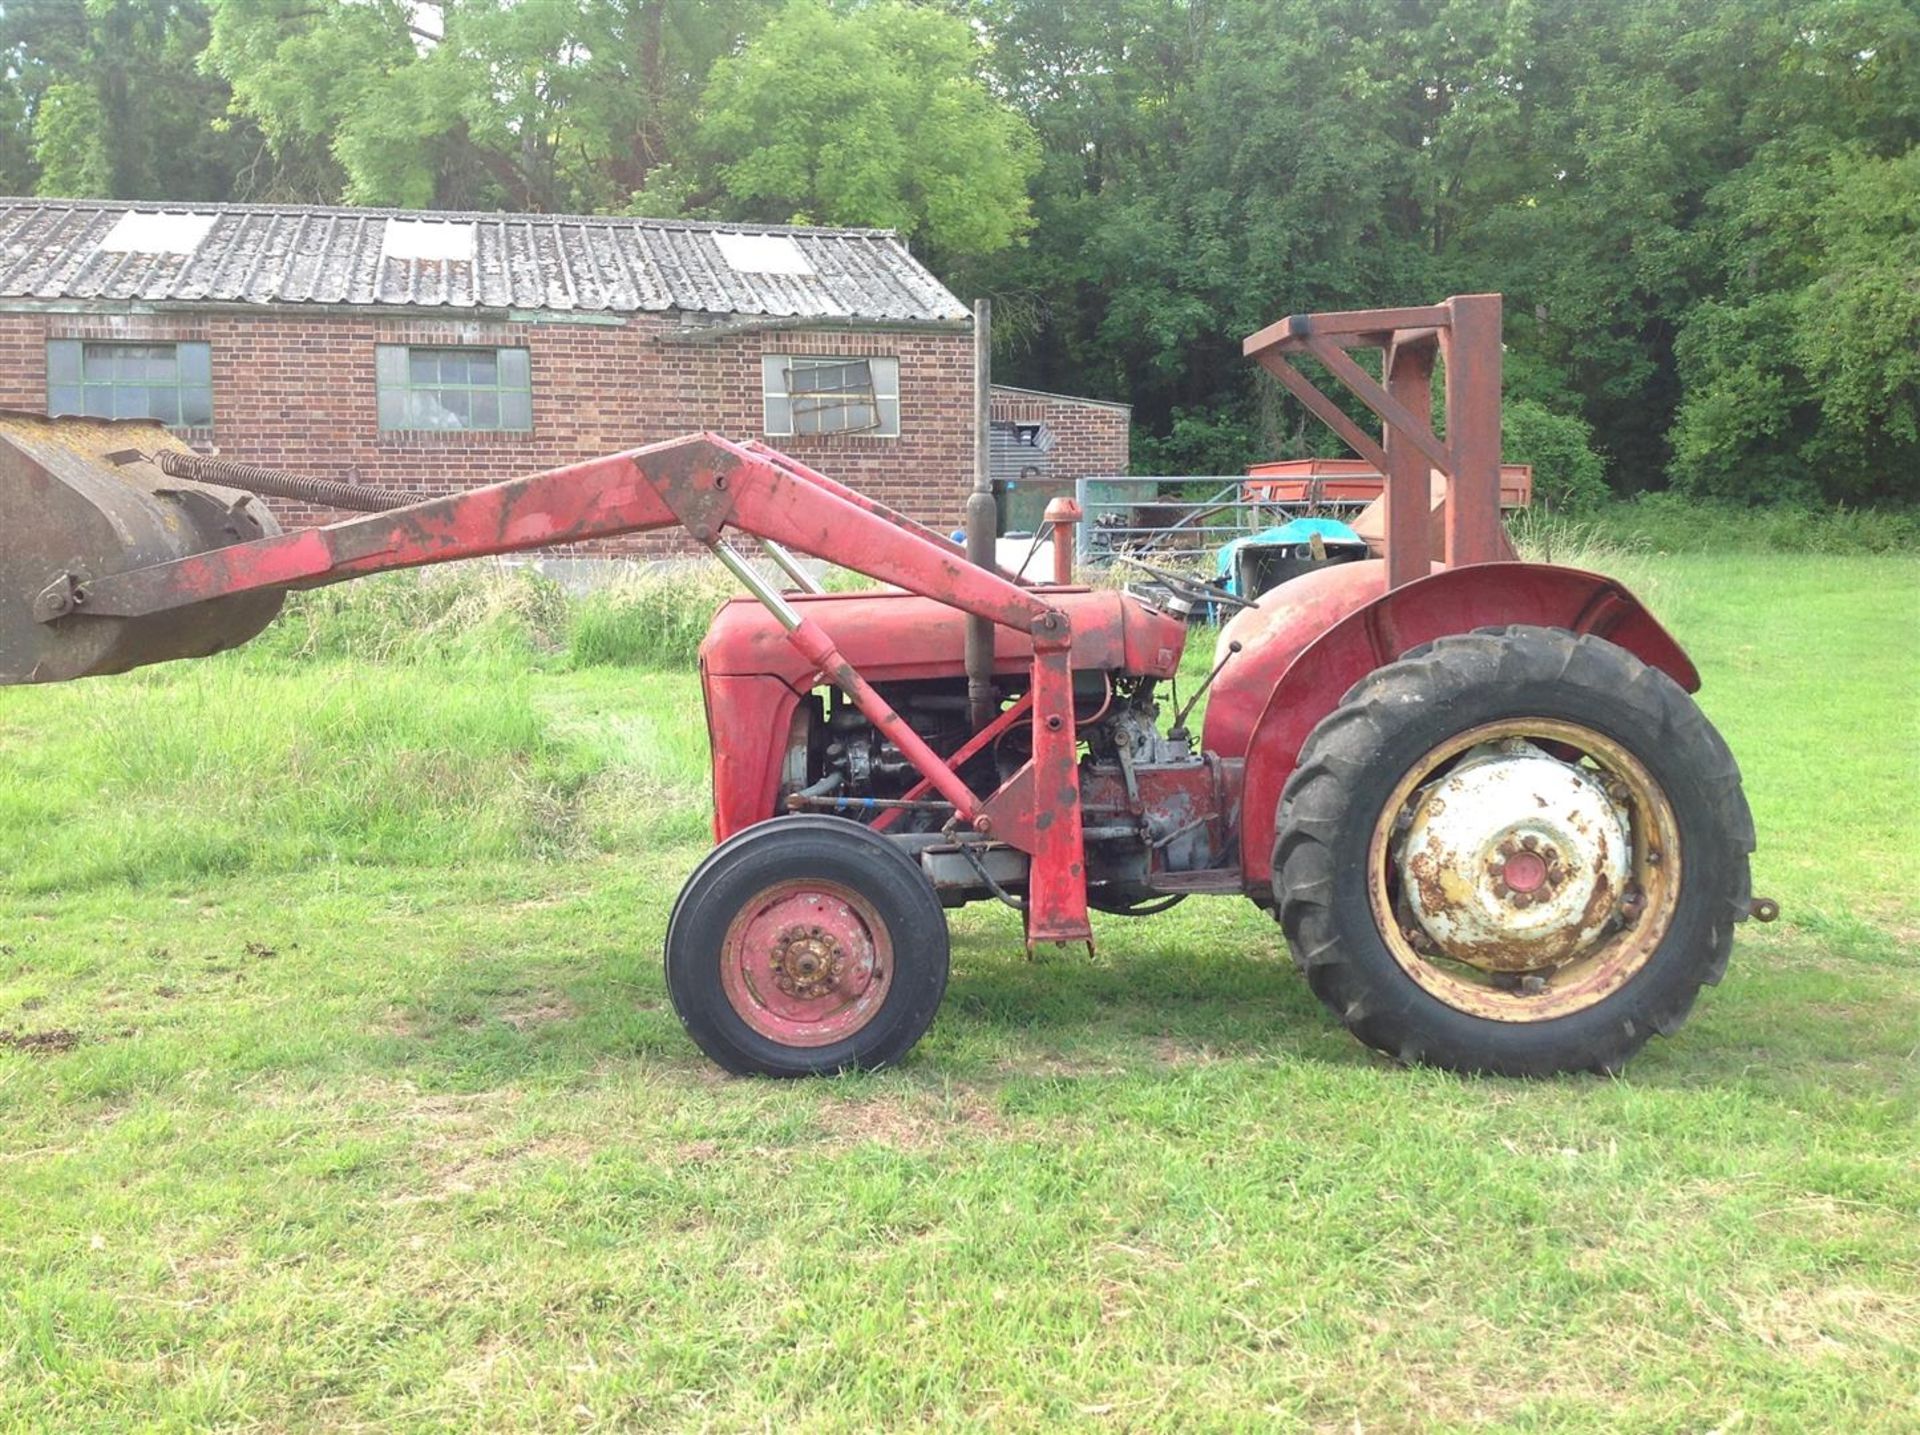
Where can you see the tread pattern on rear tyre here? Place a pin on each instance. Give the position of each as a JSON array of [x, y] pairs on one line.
[[1316, 820]]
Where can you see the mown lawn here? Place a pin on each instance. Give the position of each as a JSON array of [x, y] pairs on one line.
[[338, 1088]]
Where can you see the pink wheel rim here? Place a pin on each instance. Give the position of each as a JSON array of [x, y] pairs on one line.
[[806, 963]]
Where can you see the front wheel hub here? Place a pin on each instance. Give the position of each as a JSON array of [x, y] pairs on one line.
[[807, 963], [1515, 861]]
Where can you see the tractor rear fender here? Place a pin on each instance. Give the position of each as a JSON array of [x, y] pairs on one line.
[[1303, 657]]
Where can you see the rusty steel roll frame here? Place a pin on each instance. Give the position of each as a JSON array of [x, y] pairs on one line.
[[1464, 333]]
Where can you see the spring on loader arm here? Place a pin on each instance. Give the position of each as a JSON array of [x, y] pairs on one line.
[[228, 474]]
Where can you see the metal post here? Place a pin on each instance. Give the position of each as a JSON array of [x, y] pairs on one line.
[[1409, 485], [1472, 340], [1063, 515], [982, 517]]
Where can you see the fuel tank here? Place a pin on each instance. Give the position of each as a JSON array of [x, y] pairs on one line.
[[81, 499]]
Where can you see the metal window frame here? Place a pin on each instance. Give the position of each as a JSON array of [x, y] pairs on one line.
[[871, 395], [406, 387], [179, 387]]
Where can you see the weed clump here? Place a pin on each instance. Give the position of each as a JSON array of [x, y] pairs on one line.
[[654, 618]]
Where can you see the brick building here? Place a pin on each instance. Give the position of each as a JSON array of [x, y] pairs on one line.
[[432, 351], [1041, 443]]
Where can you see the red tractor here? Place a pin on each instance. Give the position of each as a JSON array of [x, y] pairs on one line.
[[1497, 832]]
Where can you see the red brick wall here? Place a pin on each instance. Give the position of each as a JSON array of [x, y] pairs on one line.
[[296, 391], [1090, 439]]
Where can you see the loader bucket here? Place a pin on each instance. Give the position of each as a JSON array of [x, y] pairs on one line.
[[81, 499]]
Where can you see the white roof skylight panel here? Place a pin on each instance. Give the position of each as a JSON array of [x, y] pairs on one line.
[[143, 232], [448, 241], [762, 254]]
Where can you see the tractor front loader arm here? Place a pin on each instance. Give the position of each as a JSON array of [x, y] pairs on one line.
[[709, 486]]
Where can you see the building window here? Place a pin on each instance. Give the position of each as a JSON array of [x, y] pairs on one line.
[[829, 395], [169, 382], [448, 390]]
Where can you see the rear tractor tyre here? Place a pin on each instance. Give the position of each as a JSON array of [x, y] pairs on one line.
[[805, 945], [1517, 851]]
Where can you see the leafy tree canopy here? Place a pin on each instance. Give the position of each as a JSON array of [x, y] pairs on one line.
[[1705, 214]]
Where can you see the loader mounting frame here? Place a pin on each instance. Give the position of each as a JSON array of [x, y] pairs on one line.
[[709, 486]]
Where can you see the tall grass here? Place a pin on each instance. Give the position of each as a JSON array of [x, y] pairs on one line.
[[433, 718], [651, 618], [1669, 523], [474, 612]]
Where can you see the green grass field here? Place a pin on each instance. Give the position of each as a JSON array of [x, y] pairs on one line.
[[338, 1088]]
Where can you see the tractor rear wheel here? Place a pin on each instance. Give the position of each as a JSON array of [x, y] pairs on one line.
[[804, 945], [1517, 851]]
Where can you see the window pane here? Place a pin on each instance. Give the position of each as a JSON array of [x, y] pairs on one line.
[[423, 367], [393, 408], [98, 401], [390, 363], [457, 405], [516, 410], [161, 368], [195, 363], [889, 418], [515, 370], [63, 361], [483, 368], [773, 378], [423, 410], [486, 409], [164, 404], [129, 402], [886, 377], [196, 407], [779, 417], [63, 399]]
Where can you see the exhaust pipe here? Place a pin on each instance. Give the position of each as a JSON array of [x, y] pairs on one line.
[[982, 519]]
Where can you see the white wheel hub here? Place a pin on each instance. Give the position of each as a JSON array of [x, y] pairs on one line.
[[1514, 861]]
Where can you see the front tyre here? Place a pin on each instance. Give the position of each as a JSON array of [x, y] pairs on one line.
[[1519, 851], [805, 945]]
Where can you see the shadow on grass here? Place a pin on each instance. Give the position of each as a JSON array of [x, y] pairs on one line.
[[1787, 1027]]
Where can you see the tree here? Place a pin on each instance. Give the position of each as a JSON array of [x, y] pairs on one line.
[[1803, 382], [537, 105], [105, 98], [874, 116]]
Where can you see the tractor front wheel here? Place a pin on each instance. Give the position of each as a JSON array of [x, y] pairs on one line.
[[805, 945], [1518, 851]]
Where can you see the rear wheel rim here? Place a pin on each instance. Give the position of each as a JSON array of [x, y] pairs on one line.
[[1599, 967], [806, 963]]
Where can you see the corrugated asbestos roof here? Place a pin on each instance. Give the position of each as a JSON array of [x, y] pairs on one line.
[[92, 250]]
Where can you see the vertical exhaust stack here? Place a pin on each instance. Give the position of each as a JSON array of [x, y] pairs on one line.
[[983, 519], [82, 499]]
